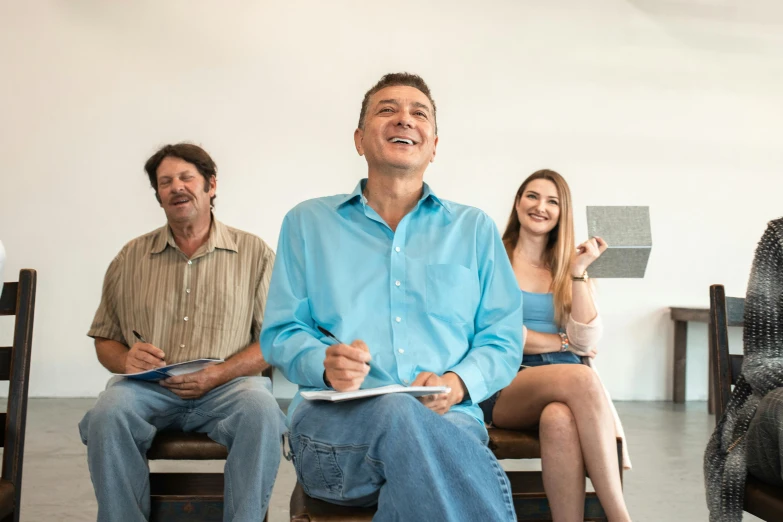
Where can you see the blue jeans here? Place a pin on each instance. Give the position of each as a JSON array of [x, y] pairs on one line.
[[242, 415], [394, 452]]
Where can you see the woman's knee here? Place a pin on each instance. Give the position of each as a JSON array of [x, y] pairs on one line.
[[583, 381], [557, 421]]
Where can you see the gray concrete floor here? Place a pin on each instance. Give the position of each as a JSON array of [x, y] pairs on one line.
[[666, 442]]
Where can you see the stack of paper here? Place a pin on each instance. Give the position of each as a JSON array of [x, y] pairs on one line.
[[335, 396]]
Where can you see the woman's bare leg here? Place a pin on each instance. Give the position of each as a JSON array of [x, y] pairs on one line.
[[562, 464], [577, 386]]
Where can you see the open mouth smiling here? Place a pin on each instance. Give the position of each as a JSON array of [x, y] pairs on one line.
[[402, 140]]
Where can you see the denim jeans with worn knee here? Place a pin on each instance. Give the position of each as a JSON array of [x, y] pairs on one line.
[[242, 415], [394, 452]]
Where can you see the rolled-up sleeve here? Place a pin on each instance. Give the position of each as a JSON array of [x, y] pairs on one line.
[[288, 337], [584, 337], [106, 323], [496, 351]]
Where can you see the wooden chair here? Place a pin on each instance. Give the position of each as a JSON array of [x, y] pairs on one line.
[[16, 299], [527, 487], [181, 497], [761, 499]]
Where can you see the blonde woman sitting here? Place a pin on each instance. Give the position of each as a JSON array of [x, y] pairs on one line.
[[552, 390]]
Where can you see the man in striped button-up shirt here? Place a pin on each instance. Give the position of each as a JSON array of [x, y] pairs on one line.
[[194, 288]]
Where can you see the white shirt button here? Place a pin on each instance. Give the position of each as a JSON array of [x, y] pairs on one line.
[[396, 283], [190, 262], [186, 317], [397, 249], [398, 319], [181, 345], [187, 291], [401, 350]]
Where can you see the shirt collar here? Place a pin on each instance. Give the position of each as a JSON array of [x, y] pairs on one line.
[[219, 237], [426, 194]]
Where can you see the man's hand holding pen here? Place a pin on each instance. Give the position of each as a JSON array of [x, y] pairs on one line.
[[346, 365], [143, 356]]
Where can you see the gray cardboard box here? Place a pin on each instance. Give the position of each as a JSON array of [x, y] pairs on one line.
[[627, 232]]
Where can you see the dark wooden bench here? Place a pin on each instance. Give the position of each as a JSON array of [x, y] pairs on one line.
[[681, 317]]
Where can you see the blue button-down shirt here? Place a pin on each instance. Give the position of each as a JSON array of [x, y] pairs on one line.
[[438, 294]]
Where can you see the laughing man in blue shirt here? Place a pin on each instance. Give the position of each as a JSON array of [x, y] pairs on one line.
[[423, 290]]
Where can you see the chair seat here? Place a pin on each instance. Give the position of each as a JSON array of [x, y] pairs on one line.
[[176, 445], [513, 444], [763, 500], [307, 509], [7, 495]]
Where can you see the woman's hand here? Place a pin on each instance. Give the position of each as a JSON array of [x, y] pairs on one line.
[[586, 253]]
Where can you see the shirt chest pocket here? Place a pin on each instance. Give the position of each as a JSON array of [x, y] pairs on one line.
[[221, 308], [452, 293]]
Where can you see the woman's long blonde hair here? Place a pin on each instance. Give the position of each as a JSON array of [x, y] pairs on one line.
[[559, 251]]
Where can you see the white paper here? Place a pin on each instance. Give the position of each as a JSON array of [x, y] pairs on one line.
[[335, 396]]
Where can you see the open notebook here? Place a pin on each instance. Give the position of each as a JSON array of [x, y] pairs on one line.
[[171, 370], [335, 396]]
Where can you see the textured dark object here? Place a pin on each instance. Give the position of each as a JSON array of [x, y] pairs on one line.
[[725, 463], [627, 232], [760, 499]]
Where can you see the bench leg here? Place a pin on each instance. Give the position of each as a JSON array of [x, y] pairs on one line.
[[680, 349]]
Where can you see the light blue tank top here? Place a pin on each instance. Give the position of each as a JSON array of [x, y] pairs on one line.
[[538, 312]]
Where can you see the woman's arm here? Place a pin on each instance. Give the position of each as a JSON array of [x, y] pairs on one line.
[[538, 342], [582, 304], [584, 327]]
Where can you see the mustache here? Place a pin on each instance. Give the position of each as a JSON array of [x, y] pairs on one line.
[[178, 197]]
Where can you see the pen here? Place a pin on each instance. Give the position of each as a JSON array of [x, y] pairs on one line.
[[330, 335], [142, 340], [139, 337]]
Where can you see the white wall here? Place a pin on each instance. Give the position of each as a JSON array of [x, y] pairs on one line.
[[673, 104]]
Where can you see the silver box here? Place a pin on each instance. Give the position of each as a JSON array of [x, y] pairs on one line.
[[627, 232]]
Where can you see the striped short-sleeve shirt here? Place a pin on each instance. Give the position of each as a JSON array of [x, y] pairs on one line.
[[211, 305]]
